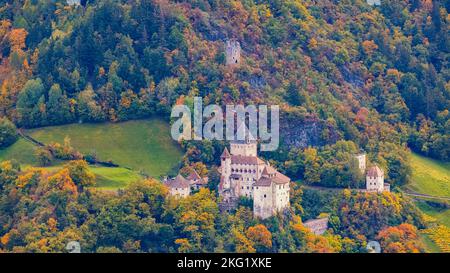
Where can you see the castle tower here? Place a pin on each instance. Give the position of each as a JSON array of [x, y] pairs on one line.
[[233, 53], [246, 147], [361, 162], [226, 170], [375, 179]]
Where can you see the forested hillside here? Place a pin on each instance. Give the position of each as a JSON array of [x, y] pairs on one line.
[[372, 75], [347, 76]]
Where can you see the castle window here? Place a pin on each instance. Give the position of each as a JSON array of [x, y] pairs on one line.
[[248, 187], [265, 196]]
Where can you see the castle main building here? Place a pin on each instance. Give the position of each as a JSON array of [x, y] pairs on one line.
[[243, 174]]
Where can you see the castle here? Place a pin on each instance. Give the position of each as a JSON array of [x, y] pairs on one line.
[[233, 52], [374, 175], [244, 174]]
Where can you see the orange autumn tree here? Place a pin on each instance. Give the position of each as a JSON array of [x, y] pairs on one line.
[[400, 239], [17, 38], [261, 237], [15, 69]]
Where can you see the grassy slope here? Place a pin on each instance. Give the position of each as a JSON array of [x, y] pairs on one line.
[[441, 215], [106, 178], [143, 145], [433, 178], [22, 151], [114, 178], [430, 176]]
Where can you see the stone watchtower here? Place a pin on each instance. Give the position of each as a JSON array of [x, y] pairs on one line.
[[375, 179], [233, 52], [361, 162]]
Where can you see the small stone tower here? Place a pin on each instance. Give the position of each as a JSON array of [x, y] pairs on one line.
[[226, 169], [245, 147], [375, 179], [361, 162], [233, 52]]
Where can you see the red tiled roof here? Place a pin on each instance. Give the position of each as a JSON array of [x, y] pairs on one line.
[[246, 160], [281, 178], [225, 153], [193, 175], [178, 182], [269, 170], [276, 177], [375, 171], [263, 182]]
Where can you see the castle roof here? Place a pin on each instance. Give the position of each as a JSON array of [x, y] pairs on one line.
[[178, 182], [275, 177], [269, 170], [263, 182], [194, 177], [375, 171], [246, 160], [225, 153]]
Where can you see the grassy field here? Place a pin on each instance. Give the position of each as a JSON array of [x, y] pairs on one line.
[[106, 178], [114, 178], [441, 215], [430, 176], [144, 145], [22, 151]]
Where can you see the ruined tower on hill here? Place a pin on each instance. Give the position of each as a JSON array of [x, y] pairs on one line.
[[233, 53]]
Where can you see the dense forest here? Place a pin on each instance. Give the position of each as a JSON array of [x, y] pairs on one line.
[[41, 212], [372, 78]]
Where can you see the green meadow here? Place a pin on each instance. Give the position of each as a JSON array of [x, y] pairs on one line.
[[430, 176], [22, 151], [141, 147]]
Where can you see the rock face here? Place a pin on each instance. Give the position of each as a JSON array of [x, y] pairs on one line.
[[295, 133]]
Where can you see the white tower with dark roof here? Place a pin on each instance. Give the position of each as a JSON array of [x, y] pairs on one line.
[[375, 179]]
